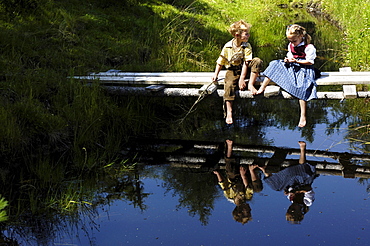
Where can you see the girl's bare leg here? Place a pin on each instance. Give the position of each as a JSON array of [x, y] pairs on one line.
[[229, 112], [264, 84], [302, 119], [302, 156]]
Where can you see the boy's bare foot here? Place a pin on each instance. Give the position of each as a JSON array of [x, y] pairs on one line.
[[229, 142], [252, 89], [229, 119], [302, 122]]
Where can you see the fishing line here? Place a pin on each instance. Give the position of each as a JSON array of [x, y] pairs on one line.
[[200, 98]]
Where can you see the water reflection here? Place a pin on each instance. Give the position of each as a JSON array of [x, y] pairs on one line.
[[183, 185], [296, 182], [236, 185]]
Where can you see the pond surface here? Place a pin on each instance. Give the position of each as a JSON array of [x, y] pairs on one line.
[[175, 198]]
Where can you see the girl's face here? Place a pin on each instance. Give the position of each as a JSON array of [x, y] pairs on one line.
[[295, 39]]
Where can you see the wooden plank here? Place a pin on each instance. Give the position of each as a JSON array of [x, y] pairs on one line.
[[344, 77], [343, 80], [155, 87], [349, 91], [326, 74], [158, 74], [345, 69], [193, 92], [271, 90]]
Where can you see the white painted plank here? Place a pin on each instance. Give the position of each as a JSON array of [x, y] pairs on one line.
[[201, 78], [343, 80], [271, 90]]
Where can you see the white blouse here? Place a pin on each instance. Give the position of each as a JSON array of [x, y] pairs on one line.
[[310, 52]]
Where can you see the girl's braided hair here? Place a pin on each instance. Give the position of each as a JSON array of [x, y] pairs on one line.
[[297, 30]]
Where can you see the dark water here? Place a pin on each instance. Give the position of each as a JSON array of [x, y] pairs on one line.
[[174, 197]]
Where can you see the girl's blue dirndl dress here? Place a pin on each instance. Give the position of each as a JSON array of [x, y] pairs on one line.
[[296, 79]]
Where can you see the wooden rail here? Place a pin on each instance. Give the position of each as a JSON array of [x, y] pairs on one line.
[[205, 155], [187, 84]]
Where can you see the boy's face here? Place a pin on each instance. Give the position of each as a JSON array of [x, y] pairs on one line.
[[243, 35]]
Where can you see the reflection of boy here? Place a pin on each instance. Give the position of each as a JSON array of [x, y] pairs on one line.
[[236, 56], [236, 186]]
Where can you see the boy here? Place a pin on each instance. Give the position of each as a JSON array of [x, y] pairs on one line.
[[236, 56]]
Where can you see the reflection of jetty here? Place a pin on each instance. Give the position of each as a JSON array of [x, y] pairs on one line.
[[203, 155], [196, 83]]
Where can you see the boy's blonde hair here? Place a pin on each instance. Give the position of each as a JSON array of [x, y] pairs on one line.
[[297, 30], [239, 27]]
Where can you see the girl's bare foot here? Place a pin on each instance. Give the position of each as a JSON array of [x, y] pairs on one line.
[[302, 122], [302, 144], [263, 86], [260, 91]]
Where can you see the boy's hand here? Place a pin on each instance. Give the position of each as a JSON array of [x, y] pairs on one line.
[[215, 79], [242, 170], [242, 85]]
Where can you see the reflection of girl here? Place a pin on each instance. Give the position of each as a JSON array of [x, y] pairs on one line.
[[296, 73], [301, 201], [296, 182]]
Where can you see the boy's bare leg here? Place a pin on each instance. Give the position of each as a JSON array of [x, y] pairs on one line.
[[302, 118], [264, 84], [229, 148], [252, 80], [229, 112]]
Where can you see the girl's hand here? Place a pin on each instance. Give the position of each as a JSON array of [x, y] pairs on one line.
[[290, 60]]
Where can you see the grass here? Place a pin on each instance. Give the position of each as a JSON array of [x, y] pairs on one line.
[[356, 28]]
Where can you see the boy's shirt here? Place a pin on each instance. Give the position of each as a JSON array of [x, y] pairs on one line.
[[230, 193], [230, 56]]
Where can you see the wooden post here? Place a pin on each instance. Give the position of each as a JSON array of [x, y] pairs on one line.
[[349, 91], [271, 90]]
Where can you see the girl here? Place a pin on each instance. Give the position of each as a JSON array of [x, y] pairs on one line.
[[296, 73]]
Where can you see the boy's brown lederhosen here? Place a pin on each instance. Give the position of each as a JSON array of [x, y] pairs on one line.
[[233, 74]]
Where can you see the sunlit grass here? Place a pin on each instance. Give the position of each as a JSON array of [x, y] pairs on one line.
[[357, 29], [3, 205]]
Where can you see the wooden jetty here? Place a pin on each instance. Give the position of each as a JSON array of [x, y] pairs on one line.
[[199, 83], [205, 155]]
